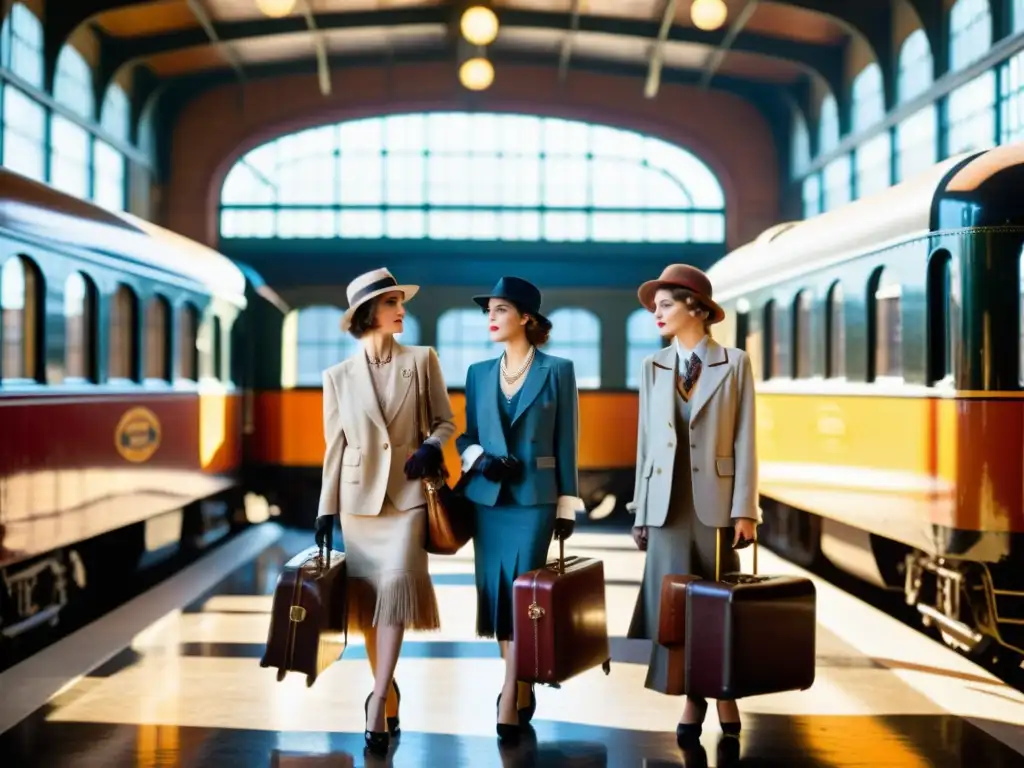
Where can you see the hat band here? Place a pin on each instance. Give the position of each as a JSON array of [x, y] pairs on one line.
[[374, 286]]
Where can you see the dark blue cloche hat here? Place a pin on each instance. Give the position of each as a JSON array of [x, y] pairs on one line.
[[524, 294]]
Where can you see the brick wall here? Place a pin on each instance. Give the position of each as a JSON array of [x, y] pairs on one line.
[[726, 132]]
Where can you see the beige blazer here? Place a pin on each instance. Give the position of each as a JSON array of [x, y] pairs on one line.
[[723, 454], [367, 449]]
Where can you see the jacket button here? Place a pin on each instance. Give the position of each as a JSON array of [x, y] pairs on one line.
[[385, 446], [659, 470], [695, 469], [670, 445], [693, 445]]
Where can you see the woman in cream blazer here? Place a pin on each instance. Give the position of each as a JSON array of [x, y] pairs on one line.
[[696, 464], [371, 480]]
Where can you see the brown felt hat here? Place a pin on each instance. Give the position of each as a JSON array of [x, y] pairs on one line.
[[682, 276]]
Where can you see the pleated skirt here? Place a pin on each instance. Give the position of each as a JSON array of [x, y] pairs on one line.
[[509, 541], [388, 580]]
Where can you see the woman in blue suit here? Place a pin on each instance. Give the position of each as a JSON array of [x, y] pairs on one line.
[[520, 451]]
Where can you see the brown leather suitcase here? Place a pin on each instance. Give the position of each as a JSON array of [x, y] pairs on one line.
[[559, 621], [309, 617], [750, 635], [672, 609]]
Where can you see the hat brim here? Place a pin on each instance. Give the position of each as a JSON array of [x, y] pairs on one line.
[[647, 291], [408, 290], [484, 300]]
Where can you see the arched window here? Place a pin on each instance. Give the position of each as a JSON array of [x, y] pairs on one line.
[[122, 354], [21, 319], [800, 150], [871, 159], [188, 351], [157, 331], [79, 327], [480, 176], [888, 325], [576, 335], [916, 66], [21, 45], [320, 343], [70, 143], [835, 318], [828, 125], [970, 32], [462, 340], [24, 118], [642, 339], [109, 165]]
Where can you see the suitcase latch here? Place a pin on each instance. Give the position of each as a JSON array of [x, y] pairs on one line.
[[297, 613], [534, 611]]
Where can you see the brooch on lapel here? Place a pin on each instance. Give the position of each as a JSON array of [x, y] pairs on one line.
[[406, 373]]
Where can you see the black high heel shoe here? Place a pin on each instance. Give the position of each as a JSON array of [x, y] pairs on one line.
[[730, 729], [688, 734], [393, 727], [506, 732], [377, 742], [526, 713]]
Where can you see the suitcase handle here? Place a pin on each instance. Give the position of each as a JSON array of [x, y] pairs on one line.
[[718, 553]]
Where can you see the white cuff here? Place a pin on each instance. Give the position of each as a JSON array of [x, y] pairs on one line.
[[631, 507], [435, 442], [470, 456], [568, 506]]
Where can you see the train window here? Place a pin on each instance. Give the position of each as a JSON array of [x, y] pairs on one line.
[[19, 292], [123, 335], [157, 331], [942, 317], [79, 325], [803, 338], [782, 345], [208, 344], [768, 329], [888, 331], [188, 354], [218, 350], [836, 320]]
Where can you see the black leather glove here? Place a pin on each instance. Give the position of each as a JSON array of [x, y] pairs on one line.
[[563, 528], [325, 532], [497, 469], [426, 461]]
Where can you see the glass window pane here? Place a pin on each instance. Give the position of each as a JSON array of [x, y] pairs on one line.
[[79, 307], [156, 340], [69, 156], [971, 114], [122, 335], [72, 84], [20, 319], [24, 134], [482, 176], [109, 176], [22, 45], [576, 335]]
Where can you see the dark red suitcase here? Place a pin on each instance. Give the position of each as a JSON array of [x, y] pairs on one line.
[[750, 635], [309, 617], [672, 609], [559, 623]]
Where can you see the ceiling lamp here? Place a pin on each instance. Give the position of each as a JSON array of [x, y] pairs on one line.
[[275, 9], [708, 15], [479, 25], [476, 74]]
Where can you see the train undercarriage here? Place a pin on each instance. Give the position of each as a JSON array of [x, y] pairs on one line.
[[974, 607]]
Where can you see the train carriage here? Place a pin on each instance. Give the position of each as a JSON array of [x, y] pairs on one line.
[[120, 426], [886, 340]]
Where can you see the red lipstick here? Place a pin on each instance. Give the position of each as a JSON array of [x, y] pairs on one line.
[[493, 328]]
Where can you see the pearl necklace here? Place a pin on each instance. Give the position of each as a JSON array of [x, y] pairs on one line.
[[513, 378]]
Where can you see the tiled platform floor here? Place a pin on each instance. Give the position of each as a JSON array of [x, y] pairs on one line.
[[188, 691]]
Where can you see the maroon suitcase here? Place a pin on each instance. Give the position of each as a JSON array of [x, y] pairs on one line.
[[558, 621], [309, 617], [672, 609], [749, 635]]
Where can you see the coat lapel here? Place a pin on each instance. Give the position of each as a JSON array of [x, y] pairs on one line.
[[487, 394], [713, 373], [364, 386], [403, 369], [664, 377], [535, 378]]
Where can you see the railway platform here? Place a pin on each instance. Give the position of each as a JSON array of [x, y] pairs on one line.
[[172, 678]]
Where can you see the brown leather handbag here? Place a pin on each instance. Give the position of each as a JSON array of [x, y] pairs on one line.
[[449, 513]]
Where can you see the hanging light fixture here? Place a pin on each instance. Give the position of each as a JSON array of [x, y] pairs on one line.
[[476, 74], [275, 9], [708, 15], [479, 25]]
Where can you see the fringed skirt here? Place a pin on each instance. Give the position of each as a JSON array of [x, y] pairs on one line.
[[509, 541], [388, 581]]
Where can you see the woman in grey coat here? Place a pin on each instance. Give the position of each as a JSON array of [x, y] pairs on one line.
[[696, 465]]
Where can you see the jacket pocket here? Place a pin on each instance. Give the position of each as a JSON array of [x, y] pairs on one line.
[[350, 461], [725, 466]]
